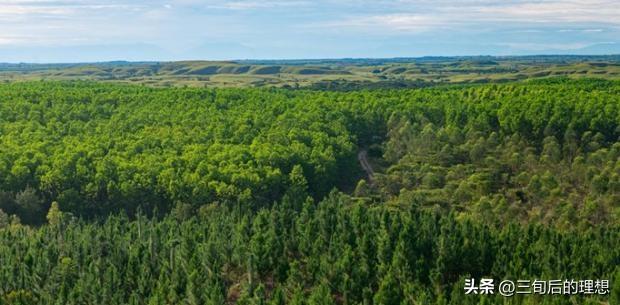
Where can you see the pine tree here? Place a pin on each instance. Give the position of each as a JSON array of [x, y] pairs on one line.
[[4, 220], [321, 295], [278, 297], [389, 292], [54, 215], [297, 297]]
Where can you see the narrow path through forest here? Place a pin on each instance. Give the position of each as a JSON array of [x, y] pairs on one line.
[[362, 156]]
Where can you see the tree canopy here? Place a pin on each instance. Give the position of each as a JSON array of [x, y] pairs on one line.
[[120, 194]]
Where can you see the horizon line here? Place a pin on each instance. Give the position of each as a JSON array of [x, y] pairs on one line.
[[314, 59]]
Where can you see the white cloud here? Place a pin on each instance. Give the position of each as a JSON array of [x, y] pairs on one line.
[[251, 5], [19, 10], [240, 5], [52, 22], [544, 46], [551, 46], [581, 30], [8, 40], [38, 8], [584, 11], [423, 15], [179, 24], [396, 22]]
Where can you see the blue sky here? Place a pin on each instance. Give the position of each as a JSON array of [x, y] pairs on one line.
[[96, 30]]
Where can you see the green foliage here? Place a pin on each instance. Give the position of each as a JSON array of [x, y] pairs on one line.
[[500, 146], [29, 205], [321, 295], [231, 195], [54, 215], [19, 297], [205, 260], [614, 299], [4, 219], [97, 149]]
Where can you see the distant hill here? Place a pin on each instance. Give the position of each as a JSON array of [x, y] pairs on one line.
[[325, 73]]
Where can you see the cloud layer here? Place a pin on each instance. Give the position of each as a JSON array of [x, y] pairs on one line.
[[217, 29]]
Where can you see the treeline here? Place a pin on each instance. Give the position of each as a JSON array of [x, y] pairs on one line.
[[543, 151], [337, 251]]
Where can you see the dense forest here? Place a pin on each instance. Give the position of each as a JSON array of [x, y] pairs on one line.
[[296, 252], [124, 194]]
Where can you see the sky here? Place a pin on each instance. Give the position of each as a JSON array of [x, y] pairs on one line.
[[141, 30]]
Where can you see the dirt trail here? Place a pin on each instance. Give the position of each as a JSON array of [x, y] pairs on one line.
[[362, 156]]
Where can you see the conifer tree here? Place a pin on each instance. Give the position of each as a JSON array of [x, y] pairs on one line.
[[54, 215]]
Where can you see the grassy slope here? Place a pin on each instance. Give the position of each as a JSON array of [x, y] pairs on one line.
[[395, 72]]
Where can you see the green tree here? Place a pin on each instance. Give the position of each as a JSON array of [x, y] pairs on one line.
[[321, 295], [54, 215], [30, 206], [389, 292], [614, 298]]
